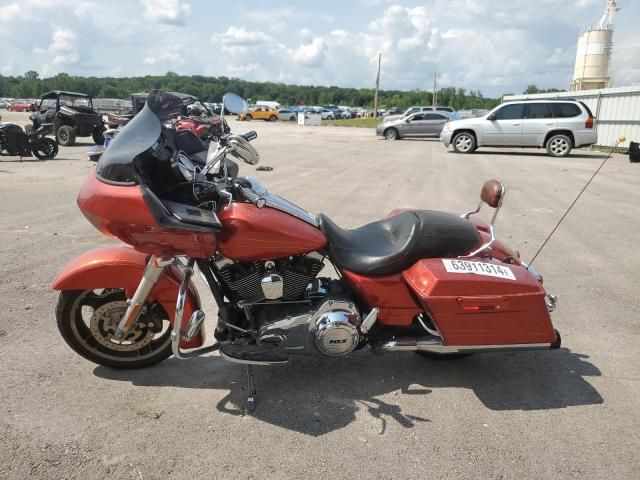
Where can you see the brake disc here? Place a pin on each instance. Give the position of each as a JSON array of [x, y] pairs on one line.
[[104, 322]]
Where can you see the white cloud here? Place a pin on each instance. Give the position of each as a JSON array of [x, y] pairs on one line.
[[168, 12], [311, 54], [171, 56], [62, 51]]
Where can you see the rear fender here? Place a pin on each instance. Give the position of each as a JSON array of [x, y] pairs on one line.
[[123, 267]]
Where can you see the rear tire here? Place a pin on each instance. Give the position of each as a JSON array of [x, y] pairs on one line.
[[98, 137], [83, 340], [248, 117], [559, 145], [464, 142], [66, 136], [45, 149], [273, 118], [444, 356]]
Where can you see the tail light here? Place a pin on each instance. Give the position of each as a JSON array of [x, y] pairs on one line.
[[589, 122]]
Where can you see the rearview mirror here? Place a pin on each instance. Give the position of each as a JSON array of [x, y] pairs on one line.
[[235, 103], [491, 117]]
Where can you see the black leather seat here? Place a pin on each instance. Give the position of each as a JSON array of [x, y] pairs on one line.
[[395, 243]]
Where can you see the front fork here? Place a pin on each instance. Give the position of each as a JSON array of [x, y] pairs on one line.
[[152, 273]]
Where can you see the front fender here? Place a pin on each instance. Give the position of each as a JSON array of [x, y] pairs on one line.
[[122, 267]]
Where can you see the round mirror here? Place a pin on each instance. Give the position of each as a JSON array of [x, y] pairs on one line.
[[235, 103]]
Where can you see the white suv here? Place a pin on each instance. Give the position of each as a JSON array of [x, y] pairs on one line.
[[557, 125]]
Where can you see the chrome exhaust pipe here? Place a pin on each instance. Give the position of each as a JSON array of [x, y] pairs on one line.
[[435, 345]]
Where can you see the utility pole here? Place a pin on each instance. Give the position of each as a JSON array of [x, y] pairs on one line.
[[435, 92], [375, 98]]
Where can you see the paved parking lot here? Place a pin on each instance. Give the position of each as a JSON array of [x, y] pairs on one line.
[[570, 413]]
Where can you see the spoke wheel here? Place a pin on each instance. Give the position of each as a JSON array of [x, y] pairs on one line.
[[87, 320], [559, 146], [391, 134], [464, 143]]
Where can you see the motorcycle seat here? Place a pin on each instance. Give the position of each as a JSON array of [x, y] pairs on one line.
[[394, 244]]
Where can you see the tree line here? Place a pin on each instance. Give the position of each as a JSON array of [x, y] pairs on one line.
[[211, 89]]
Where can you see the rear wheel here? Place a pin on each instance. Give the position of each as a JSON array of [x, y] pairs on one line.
[[98, 137], [559, 145], [66, 136], [273, 118], [87, 320], [248, 117], [464, 142], [45, 149]]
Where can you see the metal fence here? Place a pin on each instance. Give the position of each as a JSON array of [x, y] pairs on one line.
[[617, 111]]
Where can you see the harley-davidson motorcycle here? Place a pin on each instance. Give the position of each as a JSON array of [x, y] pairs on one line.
[[15, 141], [418, 280]]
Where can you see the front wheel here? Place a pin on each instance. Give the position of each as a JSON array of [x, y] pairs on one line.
[[391, 134], [45, 149], [464, 142], [87, 320], [248, 117], [559, 145]]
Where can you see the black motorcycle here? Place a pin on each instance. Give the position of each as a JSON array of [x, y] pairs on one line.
[[17, 142]]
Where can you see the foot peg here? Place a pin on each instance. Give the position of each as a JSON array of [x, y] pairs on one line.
[[193, 327]]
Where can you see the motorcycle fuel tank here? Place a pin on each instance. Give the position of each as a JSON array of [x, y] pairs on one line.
[[250, 233]]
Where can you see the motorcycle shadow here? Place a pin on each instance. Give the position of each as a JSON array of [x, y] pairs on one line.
[[319, 395]]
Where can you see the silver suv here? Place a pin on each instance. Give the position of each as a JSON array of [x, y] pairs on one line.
[[557, 125]]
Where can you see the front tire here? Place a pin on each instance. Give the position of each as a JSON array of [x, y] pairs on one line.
[[391, 134], [559, 145], [45, 149], [66, 136], [86, 320], [248, 117], [464, 142]]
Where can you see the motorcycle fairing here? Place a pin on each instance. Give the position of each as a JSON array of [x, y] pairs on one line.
[[122, 267]]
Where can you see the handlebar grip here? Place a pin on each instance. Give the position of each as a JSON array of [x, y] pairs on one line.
[[253, 197], [250, 136]]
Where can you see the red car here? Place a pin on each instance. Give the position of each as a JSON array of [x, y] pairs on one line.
[[21, 106]]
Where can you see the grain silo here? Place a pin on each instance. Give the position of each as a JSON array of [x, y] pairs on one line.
[[594, 51]]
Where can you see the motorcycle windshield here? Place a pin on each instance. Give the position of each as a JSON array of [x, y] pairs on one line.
[[117, 163]]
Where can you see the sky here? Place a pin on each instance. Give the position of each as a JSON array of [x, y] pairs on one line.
[[495, 46]]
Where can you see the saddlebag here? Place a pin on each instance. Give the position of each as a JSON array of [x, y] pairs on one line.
[[482, 301]]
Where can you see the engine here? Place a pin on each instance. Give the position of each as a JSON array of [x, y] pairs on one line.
[[283, 279], [294, 312]]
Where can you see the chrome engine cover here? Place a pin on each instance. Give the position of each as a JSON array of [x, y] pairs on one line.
[[331, 329], [335, 334]]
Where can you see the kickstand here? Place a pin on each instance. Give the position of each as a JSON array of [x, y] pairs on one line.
[[250, 403]]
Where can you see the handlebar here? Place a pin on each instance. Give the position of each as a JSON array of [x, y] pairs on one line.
[[252, 197], [250, 136]]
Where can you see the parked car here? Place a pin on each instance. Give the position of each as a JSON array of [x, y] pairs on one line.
[[409, 111], [21, 106], [557, 125], [288, 115], [260, 112], [72, 115], [5, 102], [326, 114], [420, 124]]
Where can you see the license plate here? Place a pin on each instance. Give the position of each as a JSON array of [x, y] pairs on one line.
[[478, 268]]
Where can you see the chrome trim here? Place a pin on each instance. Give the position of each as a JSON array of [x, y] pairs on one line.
[[152, 273], [369, 320], [250, 362], [272, 286], [492, 232], [435, 332], [434, 345], [176, 333], [193, 327], [551, 301], [277, 202]]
